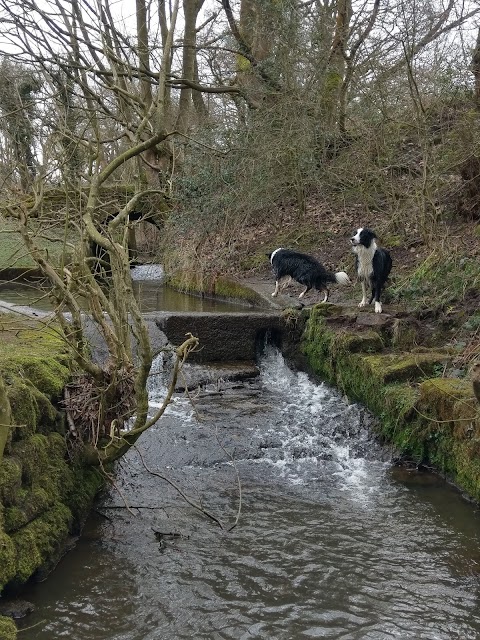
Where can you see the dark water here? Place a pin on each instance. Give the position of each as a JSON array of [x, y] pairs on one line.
[[150, 292], [332, 542]]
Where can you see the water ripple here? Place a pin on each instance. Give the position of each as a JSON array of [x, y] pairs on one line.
[[331, 543]]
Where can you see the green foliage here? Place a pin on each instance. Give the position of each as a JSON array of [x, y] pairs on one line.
[[473, 322]]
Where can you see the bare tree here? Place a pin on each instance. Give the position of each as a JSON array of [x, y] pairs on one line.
[[109, 393]]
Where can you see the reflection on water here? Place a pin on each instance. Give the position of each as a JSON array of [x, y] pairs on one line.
[[332, 542], [149, 290]]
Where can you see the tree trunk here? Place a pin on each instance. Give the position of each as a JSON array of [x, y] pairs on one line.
[[335, 74], [190, 12], [476, 71]]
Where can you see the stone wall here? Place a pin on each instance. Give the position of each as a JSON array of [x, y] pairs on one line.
[[43, 496], [385, 363], [223, 336]]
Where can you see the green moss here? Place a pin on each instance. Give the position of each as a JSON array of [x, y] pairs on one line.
[[436, 420], [201, 284], [224, 288], [7, 559], [29, 505], [404, 334], [449, 398], [33, 451], [24, 405], [35, 367], [360, 341], [8, 630], [45, 365], [10, 479], [317, 344], [31, 410], [397, 415], [87, 483], [397, 367], [49, 375], [324, 310], [40, 539], [38, 483], [5, 417]]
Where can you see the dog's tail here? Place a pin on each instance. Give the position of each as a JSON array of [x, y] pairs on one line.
[[342, 278]]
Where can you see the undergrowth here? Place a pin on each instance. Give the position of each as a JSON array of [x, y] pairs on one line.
[[440, 280]]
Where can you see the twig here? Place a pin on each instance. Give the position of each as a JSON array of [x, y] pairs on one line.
[[115, 486], [172, 483], [239, 484]]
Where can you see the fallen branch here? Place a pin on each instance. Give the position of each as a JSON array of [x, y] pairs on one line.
[[188, 500]]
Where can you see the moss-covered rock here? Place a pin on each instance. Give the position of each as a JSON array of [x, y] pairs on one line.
[[215, 286], [43, 495], [34, 365], [5, 417], [29, 505], [358, 342], [87, 482], [449, 422], [430, 419], [399, 367], [8, 629], [40, 539], [8, 559], [10, 479], [405, 333], [231, 290]]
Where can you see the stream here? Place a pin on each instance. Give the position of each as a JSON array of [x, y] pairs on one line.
[[332, 541]]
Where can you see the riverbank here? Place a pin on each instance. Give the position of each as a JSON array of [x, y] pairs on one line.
[[44, 495]]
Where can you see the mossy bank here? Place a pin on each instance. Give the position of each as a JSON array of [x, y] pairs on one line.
[[43, 495], [388, 364]]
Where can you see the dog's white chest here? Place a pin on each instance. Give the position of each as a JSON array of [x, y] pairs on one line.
[[365, 261]]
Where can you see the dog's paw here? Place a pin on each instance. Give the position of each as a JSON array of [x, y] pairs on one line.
[[378, 307], [363, 303]]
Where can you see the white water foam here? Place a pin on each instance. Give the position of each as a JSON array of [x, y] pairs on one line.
[[317, 430], [157, 387], [147, 272], [307, 431]]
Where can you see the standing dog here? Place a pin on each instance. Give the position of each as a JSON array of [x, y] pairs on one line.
[[372, 264], [293, 265]]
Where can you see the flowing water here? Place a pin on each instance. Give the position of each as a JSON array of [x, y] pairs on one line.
[[332, 542]]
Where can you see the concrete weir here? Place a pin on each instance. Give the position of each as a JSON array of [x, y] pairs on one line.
[[224, 337]]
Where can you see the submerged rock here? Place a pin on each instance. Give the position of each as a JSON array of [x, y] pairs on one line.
[[16, 608]]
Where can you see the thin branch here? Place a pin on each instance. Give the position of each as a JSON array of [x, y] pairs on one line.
[[188, 500]]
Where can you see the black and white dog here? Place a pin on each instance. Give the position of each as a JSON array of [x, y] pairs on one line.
[[290, 265], [372, 264]]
